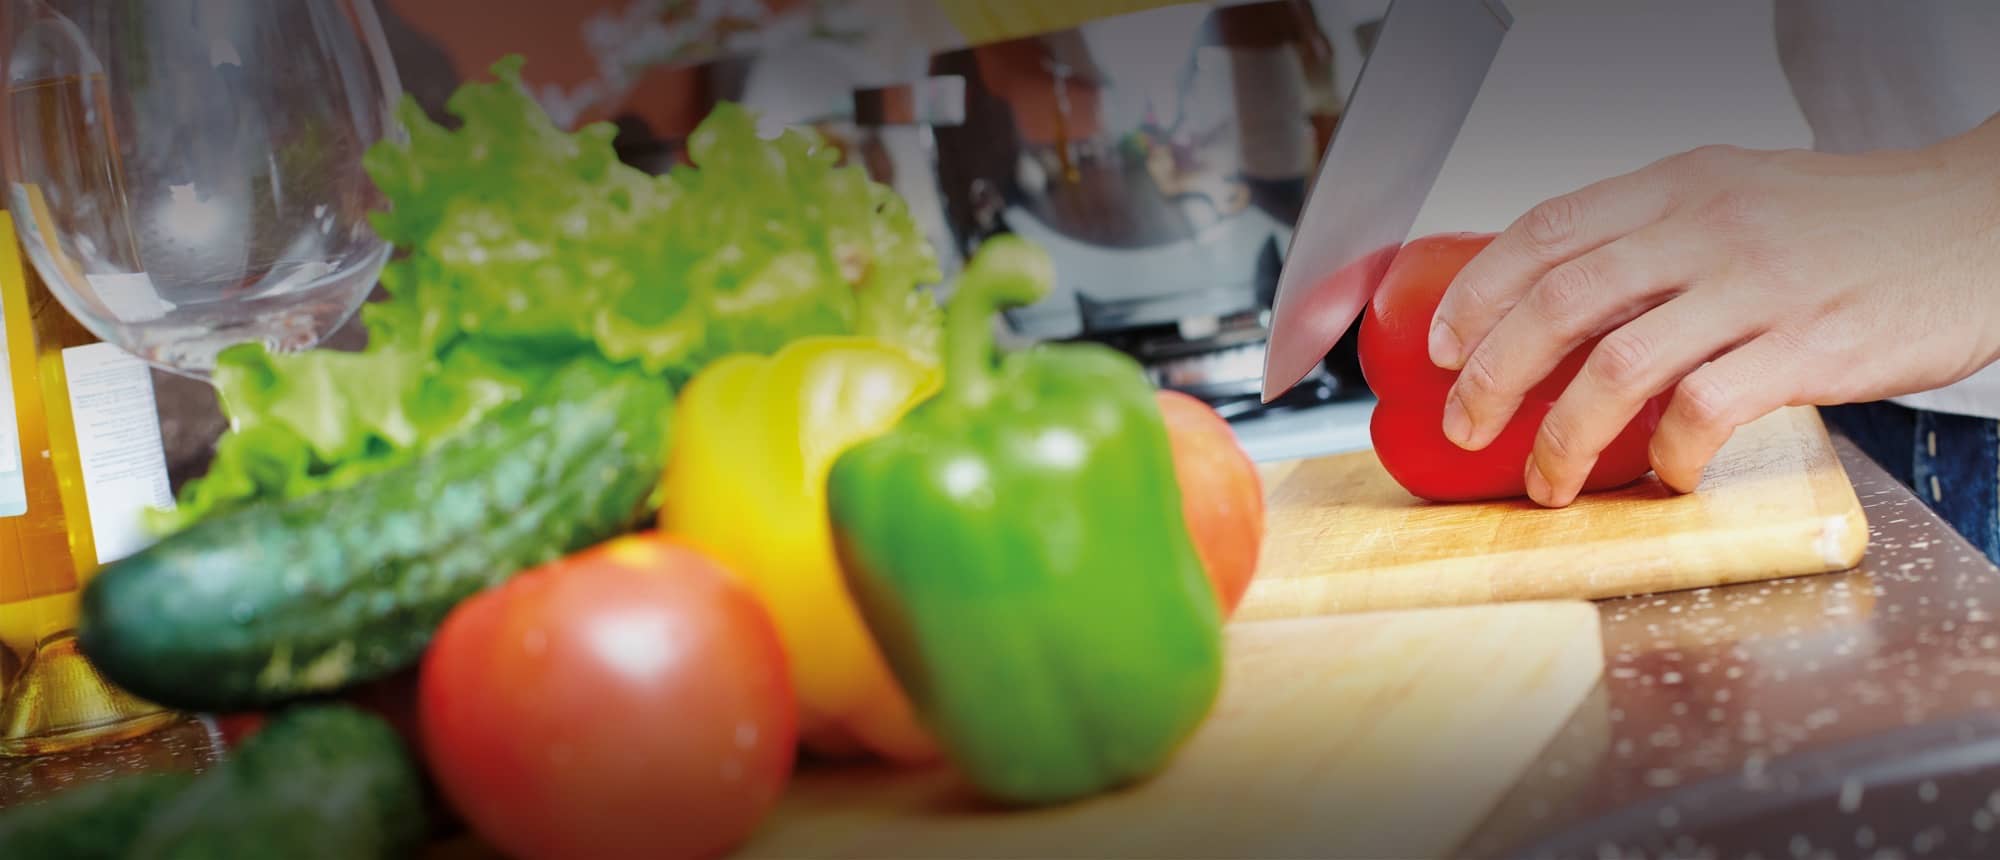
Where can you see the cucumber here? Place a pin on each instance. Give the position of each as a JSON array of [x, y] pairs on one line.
[[97, 821], [287, 600], [315, 783]]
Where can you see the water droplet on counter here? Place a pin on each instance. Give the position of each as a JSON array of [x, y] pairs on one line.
[[1850, 798]]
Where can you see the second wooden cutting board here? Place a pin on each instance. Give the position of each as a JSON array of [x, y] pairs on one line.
[[1378, 735], [981, 22], [1344, 537]]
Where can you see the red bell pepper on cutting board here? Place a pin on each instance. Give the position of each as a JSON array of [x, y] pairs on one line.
[[1408, 425]]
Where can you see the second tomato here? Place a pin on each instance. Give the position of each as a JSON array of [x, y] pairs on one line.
[[1222, 496], [628, 702]]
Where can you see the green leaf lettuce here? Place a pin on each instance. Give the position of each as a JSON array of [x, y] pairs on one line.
[[521, 245]]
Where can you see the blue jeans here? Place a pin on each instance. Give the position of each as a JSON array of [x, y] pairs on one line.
[[1952, 462]]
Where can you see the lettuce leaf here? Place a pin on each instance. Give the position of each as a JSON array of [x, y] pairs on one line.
[[521, 245]]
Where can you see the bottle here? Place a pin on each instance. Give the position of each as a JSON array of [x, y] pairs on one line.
[[81, 457], [80, 460]]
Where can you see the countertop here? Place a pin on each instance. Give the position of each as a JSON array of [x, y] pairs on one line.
[[1846, 715], [1841, 715]]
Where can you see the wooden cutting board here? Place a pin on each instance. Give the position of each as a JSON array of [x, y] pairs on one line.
[[1372, 735], [982, 21], [1343, 537]]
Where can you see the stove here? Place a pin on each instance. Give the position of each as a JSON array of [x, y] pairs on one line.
[[1162, 159]]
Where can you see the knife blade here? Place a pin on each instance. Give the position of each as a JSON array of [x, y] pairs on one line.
[[1409, 104]]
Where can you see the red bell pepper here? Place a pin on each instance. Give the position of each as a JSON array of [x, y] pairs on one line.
[[1408, 425]]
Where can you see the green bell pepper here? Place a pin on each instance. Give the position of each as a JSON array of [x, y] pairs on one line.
[[1017, 548]]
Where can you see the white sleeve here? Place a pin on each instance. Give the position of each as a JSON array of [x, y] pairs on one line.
[[1873, 75]]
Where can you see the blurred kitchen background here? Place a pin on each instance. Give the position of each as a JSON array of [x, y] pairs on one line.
[[1160, 151]]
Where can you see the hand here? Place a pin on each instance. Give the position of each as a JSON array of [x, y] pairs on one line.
[[1751, 280]]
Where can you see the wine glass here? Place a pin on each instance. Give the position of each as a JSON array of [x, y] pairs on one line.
[[183, 176], [186, 175]]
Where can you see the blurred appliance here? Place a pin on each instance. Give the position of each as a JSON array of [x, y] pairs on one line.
[[1162, 158]]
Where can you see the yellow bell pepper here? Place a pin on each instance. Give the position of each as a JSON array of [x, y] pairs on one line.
[[754, 440]]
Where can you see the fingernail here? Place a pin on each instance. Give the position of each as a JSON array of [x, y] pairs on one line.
[[1457, 422], [1444, 346], [1537, 483]]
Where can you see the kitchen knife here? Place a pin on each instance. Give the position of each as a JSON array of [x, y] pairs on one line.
[[1409, 102]]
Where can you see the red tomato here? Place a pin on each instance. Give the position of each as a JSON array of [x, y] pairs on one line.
[[1222, 497], [1408, 425], [392, 699], [630, 701], [234, 729]]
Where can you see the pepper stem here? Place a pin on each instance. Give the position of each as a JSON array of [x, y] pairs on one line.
[[1008, 271]]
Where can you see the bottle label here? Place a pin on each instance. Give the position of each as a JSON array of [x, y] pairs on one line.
[[118, 439], [13, 483]]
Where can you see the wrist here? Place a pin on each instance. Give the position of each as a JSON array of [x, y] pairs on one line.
[[1974, 155]]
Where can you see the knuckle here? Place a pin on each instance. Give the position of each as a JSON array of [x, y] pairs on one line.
[[1815, 343], [1772, 266], [1712, 158], [1621, 361], [1470, 293], [1741, 217], [1705, 403], [1479, 380], [1731, 211], [1565, 290], [1557, 439], [1552, 224], [1789, 341]]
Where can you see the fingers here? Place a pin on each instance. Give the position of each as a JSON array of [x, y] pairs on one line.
[[1737, 388], [1574, 302], [1548, 235], [1629, 367]]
